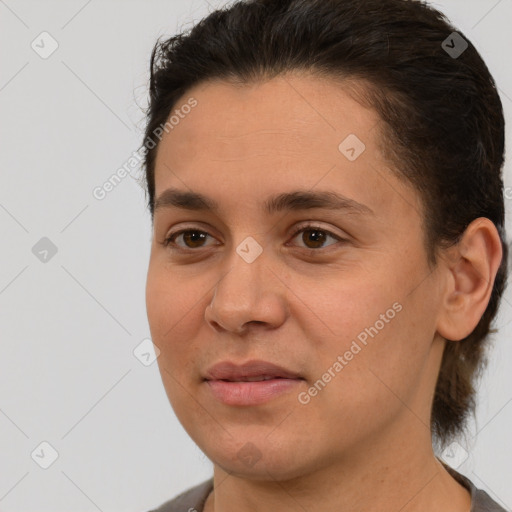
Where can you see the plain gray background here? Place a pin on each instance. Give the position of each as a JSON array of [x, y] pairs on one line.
[[70, 324]]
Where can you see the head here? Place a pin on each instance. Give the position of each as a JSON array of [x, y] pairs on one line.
[[354, 98]]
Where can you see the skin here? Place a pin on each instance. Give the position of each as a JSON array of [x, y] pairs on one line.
[[364, 441]]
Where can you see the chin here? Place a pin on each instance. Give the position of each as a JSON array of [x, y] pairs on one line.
[[263, 462]]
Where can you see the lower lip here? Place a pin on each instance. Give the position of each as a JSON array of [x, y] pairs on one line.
[[250, 393]]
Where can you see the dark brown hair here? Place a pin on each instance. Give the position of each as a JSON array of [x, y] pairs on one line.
[[441, 116]]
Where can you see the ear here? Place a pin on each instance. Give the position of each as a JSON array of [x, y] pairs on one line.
[[471, 268]]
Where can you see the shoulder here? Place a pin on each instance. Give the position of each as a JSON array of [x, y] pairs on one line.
[[191, 500], [480, 500]]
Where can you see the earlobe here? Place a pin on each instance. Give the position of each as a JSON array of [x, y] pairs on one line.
[[471, 268]]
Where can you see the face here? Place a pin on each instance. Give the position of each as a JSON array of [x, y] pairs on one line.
[[312, 260]]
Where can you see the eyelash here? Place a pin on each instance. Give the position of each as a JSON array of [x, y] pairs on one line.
[[168, 242]]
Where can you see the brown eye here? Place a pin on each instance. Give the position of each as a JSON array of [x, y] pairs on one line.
[[192, 238], [314, 237]]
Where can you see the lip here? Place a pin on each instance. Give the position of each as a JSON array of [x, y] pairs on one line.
[[227, 370], [227, 382]]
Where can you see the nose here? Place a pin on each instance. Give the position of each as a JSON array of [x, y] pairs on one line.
[[248, 294]]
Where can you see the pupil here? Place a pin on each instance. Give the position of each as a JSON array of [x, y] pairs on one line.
[[194, 236], [316, 237]]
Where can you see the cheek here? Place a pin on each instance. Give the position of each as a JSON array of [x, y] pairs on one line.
[[380, 322], [168, 301], [342, 305], [170, 312], [175, 305], [166, 308], [385, 361]]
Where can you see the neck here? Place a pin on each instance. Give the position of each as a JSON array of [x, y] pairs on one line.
[[412, 480]]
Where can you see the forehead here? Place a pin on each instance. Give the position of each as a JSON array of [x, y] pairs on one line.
[[268, 135], [282, 113]]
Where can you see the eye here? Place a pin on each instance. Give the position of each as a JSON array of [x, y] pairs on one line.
[[316, 236], [194, 237]]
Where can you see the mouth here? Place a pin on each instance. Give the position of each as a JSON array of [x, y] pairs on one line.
[[253, 383]]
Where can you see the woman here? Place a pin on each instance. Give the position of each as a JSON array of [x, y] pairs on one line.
[[324, 182]]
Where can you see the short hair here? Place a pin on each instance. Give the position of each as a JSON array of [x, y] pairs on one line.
[[442, 121]]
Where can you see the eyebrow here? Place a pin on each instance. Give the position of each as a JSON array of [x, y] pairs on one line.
[[292, 201]]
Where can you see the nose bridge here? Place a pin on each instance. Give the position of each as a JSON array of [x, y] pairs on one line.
[[245, 293], [239, 287]]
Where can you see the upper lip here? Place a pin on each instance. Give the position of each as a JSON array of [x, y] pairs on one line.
[[227, 370]]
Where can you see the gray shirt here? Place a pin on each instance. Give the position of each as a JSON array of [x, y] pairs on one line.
[[193, 499]]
